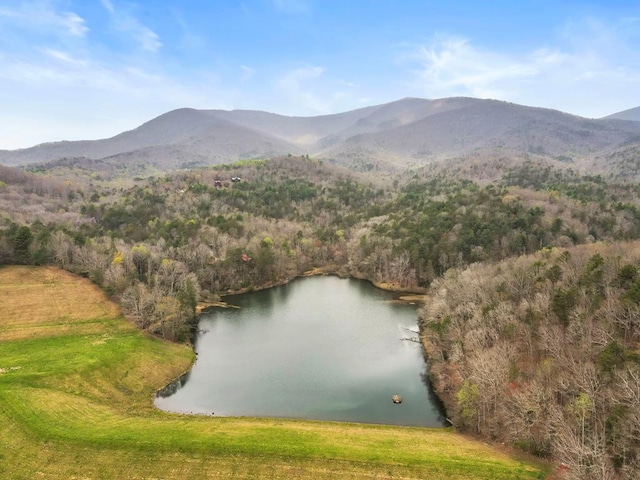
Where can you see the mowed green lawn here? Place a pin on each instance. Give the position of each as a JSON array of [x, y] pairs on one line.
[[76, 389]]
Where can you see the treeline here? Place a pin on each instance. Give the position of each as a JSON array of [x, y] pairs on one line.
[[440, 222], [286, 216], [540, 350], [161, 246], [543, 352]]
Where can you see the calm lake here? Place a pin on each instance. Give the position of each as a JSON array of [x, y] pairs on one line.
[[321, 348]]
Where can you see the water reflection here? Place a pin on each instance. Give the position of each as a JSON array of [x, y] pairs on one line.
[[174, 386], [433, 398], [318, 348]]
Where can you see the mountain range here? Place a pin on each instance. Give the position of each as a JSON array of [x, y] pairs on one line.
[[399, 134], [632, 114]]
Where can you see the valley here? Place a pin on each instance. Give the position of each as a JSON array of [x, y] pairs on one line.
[[520, 224]]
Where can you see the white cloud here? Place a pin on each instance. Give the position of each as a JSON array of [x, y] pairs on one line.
[[64, 57], [296, 85], [67, 99], [190, 41], [41, 15], [57, 85], [309, 90], [124, 21], [148, 39], [591, 70], [294, 77], [247, 73], [75, 24], [453, 67], [108, 5]]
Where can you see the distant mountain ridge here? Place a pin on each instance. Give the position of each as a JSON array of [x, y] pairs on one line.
[[633, 114], [401, 133]]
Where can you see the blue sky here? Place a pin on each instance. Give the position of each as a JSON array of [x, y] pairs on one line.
[[72, 69]]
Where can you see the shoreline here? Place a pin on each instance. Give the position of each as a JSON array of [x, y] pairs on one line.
[[99, 422], [415, 295]]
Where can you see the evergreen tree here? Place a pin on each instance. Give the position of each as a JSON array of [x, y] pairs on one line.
[[22, 243]]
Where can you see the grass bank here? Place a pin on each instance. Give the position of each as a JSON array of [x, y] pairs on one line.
[[76, 388]]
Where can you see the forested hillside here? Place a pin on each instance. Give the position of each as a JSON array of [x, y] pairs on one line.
[[285, 216], [532, 339], [542, 351]]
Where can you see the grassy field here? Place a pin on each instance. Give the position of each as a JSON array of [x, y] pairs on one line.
[[76, 388]]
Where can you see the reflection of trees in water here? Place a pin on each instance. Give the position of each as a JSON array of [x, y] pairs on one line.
[[174, 386], [265, 300], [280, 294], [367, 289], [434, 399]]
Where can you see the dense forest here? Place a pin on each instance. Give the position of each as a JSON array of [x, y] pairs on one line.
[[542, 351], [532, 326]]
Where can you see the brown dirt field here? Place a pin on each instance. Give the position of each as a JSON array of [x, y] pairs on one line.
[[50, 310]]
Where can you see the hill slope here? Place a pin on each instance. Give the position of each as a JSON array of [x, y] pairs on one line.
[[395, 134], [79, 405], [632, 114]]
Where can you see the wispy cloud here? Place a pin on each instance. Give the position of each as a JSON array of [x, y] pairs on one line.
[[125, 21], [64, 57], [590, 59], [55, 83], [108, 5], [297, 86], [57, 96], [247, 73], [41, 15], [452, 66], [62, 66], [311, 90], [190, 40]]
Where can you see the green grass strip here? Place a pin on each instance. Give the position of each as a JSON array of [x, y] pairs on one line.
[[80, 406]]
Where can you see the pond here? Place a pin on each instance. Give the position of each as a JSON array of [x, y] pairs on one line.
[[321, 348]]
